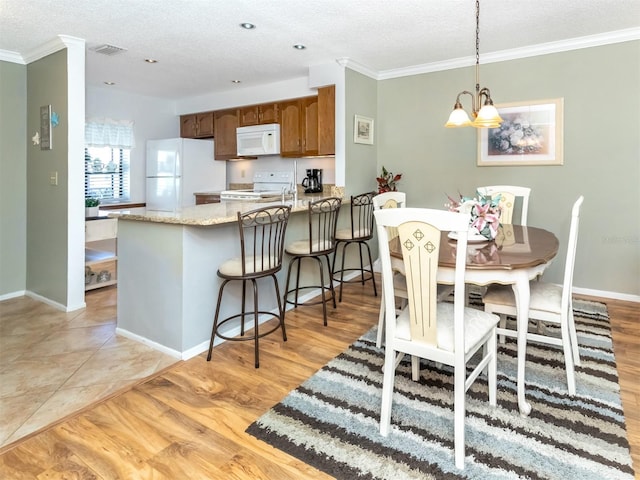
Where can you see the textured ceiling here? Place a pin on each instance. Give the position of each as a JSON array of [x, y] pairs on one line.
[[200, 47]]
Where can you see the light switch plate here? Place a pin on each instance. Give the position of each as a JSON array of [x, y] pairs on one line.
[[53, 178]]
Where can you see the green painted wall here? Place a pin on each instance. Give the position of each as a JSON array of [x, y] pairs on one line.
[[601, 151], [13, 184], [361, 160], [47, 205]]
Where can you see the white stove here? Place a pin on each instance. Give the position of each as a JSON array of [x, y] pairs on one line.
[[265, 184]]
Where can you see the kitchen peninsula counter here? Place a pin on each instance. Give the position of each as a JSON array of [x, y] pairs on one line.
[[167, 271], [209, 214]]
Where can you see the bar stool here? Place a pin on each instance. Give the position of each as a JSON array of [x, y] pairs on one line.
[[261, 250], [323, 217], [361, 231]]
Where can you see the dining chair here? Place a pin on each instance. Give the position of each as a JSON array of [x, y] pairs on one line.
[[549, 303], [398, 200], [360, 231], [390, 200], [444, 332], [322, 216], [508, 196], [262, 233]]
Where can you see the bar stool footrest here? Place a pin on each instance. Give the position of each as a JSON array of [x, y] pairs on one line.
[[328, 295], [356, 279], [246, 337]]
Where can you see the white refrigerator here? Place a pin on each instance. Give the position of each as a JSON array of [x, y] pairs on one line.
[[179, 167]]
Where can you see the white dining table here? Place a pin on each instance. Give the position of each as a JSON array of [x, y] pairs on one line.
[[518, 255]]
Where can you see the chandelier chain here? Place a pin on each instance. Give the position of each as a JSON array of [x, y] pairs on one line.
[[477, 32]]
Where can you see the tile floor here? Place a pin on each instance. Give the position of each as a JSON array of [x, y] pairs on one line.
[[54, 363]]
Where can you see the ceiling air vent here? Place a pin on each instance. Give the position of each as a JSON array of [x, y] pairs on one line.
[[108, 49]]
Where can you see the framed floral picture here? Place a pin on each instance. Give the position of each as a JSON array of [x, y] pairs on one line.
[[530, 134], [363, 130]]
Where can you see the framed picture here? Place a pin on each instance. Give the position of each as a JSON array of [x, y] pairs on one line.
[[530, 134], [45, 128], [363, 130]]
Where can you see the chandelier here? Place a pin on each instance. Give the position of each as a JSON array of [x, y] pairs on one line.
[[484, 113]]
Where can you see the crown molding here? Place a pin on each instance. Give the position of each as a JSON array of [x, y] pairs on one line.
[[346, 62], [515, 53], [13, 57], [53, 46]]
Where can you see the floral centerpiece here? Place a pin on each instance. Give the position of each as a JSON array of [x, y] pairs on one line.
[[484, 210], [387, 181]]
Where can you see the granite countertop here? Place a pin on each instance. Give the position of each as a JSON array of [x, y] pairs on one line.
[[210, 213]]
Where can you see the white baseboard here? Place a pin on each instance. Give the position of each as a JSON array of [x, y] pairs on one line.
[[627, 297], [54, 304], [8, 296], [150, 343]]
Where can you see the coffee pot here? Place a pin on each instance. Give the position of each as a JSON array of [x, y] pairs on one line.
[[312, 183]]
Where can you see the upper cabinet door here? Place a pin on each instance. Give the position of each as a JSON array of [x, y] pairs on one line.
[[310, 126], [225, 124], [248, 116], [188, 126], [268, 113], [299, 127], [196, 125], [205, 125], [258, 114], [291, 128], [327, 120]]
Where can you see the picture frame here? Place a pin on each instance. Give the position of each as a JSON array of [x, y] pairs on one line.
[[363, 130], [530, 134], [45, 128]]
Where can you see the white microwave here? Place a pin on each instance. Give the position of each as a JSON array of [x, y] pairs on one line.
[[258, 140]]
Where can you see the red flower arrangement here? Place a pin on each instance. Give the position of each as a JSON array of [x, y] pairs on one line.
[[387, 181]]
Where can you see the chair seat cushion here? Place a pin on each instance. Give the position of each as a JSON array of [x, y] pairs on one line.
[[476, 325], [233, 267], [301, 247], [545, 297], [345, 234]]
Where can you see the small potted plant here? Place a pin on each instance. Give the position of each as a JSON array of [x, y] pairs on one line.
[[387, 181], [91, 206]]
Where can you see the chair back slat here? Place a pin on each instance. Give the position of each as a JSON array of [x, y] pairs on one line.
[[262, 233], [362, 216], [323, 219], [420, 243]]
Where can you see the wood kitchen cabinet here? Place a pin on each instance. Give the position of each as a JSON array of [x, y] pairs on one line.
[[197, 125], [225, 124], [258, 114], [204, 198], [299, 127], [327, 120]]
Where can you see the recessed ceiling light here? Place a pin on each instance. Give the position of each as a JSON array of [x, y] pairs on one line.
[[236, 81], [150, 60], [299, 46], [109, 83], [247, 25]]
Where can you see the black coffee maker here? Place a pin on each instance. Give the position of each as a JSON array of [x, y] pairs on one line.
[[313, 181]]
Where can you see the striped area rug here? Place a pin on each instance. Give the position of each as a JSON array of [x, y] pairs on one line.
[[331, 421]]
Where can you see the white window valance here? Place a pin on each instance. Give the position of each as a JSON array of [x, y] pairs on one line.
[[106, 132]]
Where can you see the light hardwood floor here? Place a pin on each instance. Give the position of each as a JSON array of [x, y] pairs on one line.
[[189, 421], [53, 363]]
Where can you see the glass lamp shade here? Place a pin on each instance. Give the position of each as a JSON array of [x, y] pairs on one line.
[[458, 118], [488, 117]]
